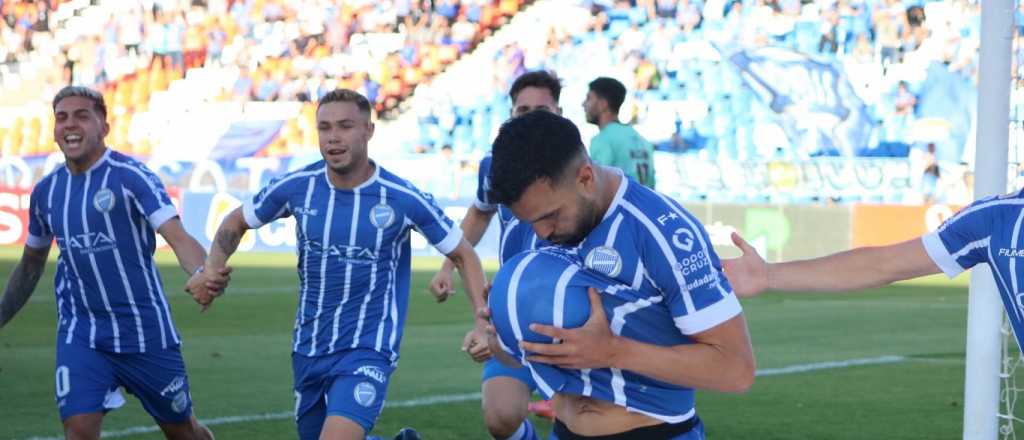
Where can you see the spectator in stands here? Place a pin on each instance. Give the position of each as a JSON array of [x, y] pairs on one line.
[[617, 144], [905, 100]]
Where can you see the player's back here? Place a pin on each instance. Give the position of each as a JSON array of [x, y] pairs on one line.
[[549, 286], [109, 292]]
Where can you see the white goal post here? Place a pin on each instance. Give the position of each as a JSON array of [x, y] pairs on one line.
[[984, 315]]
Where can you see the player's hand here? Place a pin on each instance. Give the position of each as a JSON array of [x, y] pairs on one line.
[[589, 346], [476, 344], [441, 285], [217, 280], [748, 273], [483, 314], [196, 286]]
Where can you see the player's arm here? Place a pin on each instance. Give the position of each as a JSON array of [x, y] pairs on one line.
[[189, 252], [472, 273], [473, 226], [720, 358], [225, 241], [23, 281], [859, 268]]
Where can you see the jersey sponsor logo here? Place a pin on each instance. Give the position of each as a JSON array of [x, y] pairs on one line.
[[1014, 253], [350, 254], [88, 243], [310, 212], [710, 279], [364, 393], [372, 372], [664, 218], [683, 239], [606, 260], [104, 200], [180, 402], [382, 215], [175, 385], [692, 264]]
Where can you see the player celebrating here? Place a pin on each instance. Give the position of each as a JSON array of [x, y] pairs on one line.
[[550, 286], [353, 222], [986, 231], [639, 238], [114, 327], [506, 390]]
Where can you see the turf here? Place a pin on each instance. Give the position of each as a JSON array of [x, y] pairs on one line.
[[237, 354]]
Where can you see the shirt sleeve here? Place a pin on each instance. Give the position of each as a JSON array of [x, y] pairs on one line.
[[483, 185], [684, 266], [40, 233], [428, 218], [963, 240], [270, 204], [150, 195]]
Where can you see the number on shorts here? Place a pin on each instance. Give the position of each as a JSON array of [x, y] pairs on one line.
[[63, 381]]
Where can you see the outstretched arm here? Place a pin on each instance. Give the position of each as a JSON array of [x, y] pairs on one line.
[[22, 282], [473, 225], [859, 268]]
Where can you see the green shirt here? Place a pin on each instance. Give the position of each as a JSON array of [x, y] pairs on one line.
[[619, 145]]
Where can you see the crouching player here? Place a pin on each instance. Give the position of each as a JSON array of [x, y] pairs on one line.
[[551, 289]]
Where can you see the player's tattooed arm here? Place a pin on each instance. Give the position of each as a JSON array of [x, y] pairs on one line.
[[22, 282]]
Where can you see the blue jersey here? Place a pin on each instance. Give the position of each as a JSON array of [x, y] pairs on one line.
[[549, 286], [650, 243], [514, 236], [987, 231], [109, 294], [353, 250]]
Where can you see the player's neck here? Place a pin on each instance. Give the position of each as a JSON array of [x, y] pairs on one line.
[[605, 119], [76, 167], [608, 182], [352, 178]]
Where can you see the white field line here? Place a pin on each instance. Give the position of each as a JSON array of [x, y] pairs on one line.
[[454, 398]]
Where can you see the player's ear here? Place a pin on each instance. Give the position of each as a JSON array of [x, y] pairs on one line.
[[370, 127], [585, 175]]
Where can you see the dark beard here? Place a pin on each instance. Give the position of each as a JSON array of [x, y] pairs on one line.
[[585, 223]]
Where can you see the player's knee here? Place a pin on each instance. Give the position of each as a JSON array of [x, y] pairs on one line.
[[503, 418], [81, 428]]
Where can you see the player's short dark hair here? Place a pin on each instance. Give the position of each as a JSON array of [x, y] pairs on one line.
[[610, 90], [346, 95], [541, 79], [98, 105], [534, 146]]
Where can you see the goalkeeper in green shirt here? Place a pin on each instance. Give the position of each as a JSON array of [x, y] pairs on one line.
[[617, 144]]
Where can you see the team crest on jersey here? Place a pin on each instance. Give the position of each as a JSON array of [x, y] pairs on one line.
[[365, 394], [606, 260], [104, 200], [382, 215], [180, 402]]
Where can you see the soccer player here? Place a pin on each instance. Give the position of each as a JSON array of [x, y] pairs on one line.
[[506, 390], [639, 238], [986, 231], [617, 144], [550, 286], [353, 223], [114, 327]]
